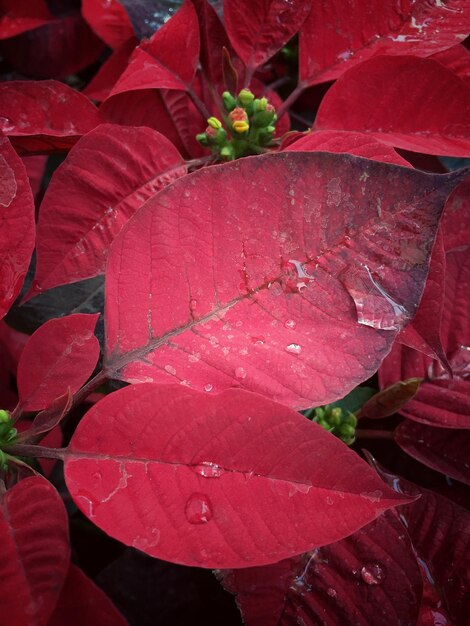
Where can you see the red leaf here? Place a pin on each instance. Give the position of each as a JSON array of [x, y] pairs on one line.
[[456, 59], [359, 580], [108, 174], [444, 450], [342, 33], [384, 97], [216, 481], [439, 531], [35, 166], [109, 20], [35, 552], [456, 218], [62, 353], [168, 59], [358, 144], [287, 293], [257, 30], [106, 77], [16, 224], [18, 16], [44, 116], [82, 602]]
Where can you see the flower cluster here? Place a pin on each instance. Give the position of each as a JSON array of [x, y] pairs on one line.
[[337, 421]]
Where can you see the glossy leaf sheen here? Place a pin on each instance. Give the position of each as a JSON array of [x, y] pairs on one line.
[[44, 116], [62, 353], [396, 87], [35, 556], [82, 602], [257, 274], [257, 30], [17, 229], [105, 178], [371, 577], [215, 481], [445, 450], [339, 34]]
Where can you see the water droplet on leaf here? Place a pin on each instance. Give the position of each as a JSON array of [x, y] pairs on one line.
[[294, 348], [290, 324], [373, 574], [208, 469], [198, 509], [240, 373], [208, 387]]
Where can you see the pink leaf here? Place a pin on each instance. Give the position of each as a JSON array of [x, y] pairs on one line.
[[168, 59], [16, 224], [82, 602], [19, 16], [339, 34], [35, 556], [287, 274], [216, 481], [109, 20], [358, 144], [108, 174], [257, 30], [410, 103], [359, 580], [445, 450], [44, 116], [62, 353]]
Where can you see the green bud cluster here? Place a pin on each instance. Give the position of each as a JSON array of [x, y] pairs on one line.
[[336, 421], [248, 126], [7, 436]]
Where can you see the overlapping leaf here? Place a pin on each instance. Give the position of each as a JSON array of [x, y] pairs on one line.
[[386, 97], [17, 228], [19, 16], [62, 353], [225, 481], [339, 34], [105, 178], [34, 559], [286, 274], [109, 20]]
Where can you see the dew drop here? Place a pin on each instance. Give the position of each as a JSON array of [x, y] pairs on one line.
[[258, 341], [193, 304], [290, 324], [331, 592], [294, 348], [198, 509], [208, 469], [170, 369], [208, 387], [373, 574], [240, 373]]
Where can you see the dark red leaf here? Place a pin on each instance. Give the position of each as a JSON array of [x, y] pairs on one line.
[[109, 21], [297, 293], [62, 353], [104, 80], [439, 531], [456, 218], [16, 224], [447, 451], [358, 144], [339, 34], [106, 177], [371, 577], [456, 59], [35, 166], [216, 481], [82, 602], [406, 102], [167, 60], [390, 400], [44, 116], [257, 30], [187, 120], [35, 552], [18, 16]]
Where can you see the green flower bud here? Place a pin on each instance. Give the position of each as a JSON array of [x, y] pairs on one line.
[[202, 139], [4, 416], [216, 137], [260, 104], [346, 430], [229, 101], [264, 118], [228, 153], [350, 419], [245, 97], [214, 123], [319, 413]]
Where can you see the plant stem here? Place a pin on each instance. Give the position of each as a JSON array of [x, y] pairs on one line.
[[90, 386], [370, 433], [289, 101], [199, 104], [35, 451]]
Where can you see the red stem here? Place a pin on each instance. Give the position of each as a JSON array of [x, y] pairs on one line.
[[289, 101]]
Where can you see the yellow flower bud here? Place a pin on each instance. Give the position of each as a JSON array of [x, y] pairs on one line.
[[214, 123], [240, 126]]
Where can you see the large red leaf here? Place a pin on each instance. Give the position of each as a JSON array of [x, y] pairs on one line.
[[82, 602], [339, 34], [225, 481], [439, 531], [109, 21], [287, 274], [257, 30], [16, 224], [44, 116], [358, 144], [456, 59], [168, 59], [371, 577], [108, 174], [35, 167], [106, 77], [444, 398], [35, 553], [406, 102], [62, 353], [445, 450], [18, 16]]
